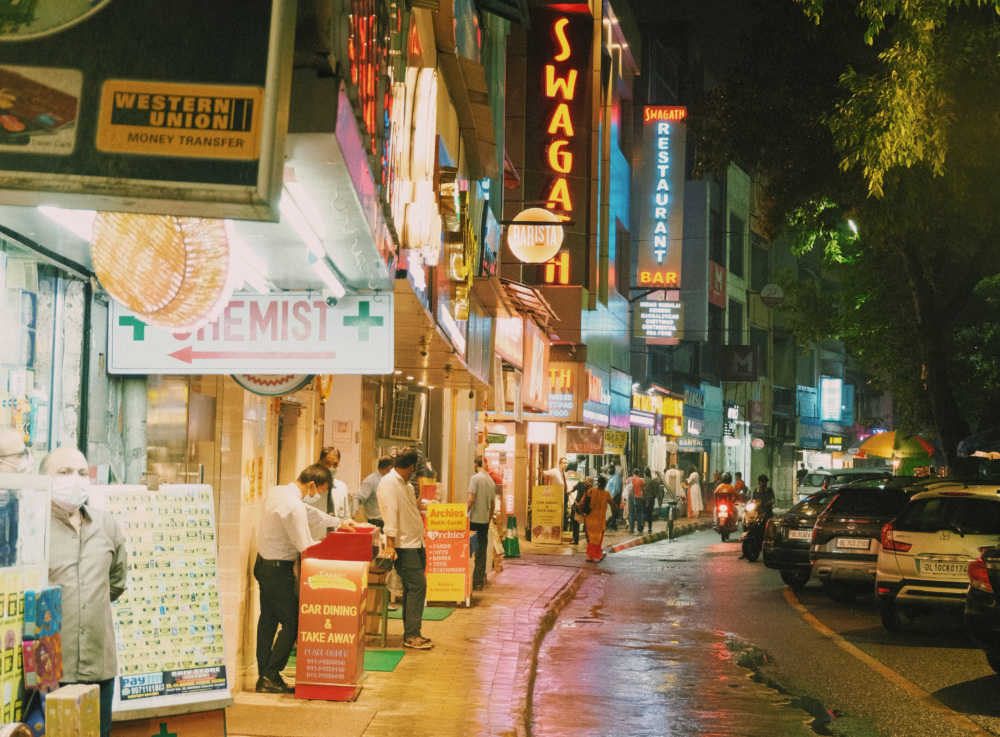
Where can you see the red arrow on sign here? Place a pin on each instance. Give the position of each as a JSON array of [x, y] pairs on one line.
[[188, 354]]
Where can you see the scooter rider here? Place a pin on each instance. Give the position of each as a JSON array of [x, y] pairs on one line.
[[764, 495], [726, 492]]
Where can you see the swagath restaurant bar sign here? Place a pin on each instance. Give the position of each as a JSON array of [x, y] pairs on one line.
[[164, 107], [662, 204]]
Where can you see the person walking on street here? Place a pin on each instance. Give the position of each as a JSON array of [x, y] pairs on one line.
[[741, 487], [693, 486], [479, 507], [636, 506], [282, 535], [651, 489], [404, 533], [596, 520], [87, 558], [614, 488]]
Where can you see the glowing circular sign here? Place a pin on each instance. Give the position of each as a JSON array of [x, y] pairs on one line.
[[535, 236], [28, 20]]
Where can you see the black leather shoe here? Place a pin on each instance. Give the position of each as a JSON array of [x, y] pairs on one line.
[[276, 685]]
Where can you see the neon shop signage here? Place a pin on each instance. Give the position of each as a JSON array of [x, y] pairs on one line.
[[661, 227]]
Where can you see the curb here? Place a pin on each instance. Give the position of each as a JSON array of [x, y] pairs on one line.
[[661, 535], [522, 711]]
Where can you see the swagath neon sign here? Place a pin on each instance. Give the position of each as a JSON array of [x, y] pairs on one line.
[[661, 227]]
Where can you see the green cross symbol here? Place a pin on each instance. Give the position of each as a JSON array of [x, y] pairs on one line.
[[137, 325], [363, 321], [163, 731]]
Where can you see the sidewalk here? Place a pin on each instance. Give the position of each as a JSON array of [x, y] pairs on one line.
[[476, 681]]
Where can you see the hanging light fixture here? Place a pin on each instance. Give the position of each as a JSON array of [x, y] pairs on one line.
[[172, 271]]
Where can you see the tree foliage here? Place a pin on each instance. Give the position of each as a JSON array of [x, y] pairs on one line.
[[885, 112]]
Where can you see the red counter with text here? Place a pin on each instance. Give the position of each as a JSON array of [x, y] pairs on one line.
[[330, 661]]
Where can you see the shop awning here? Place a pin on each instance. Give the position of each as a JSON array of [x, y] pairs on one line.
[[423, 356]]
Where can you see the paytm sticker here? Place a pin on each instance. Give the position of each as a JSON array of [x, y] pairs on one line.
[[191, 121]]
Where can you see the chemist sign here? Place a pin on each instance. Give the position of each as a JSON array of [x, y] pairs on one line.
[[290, 332], [662, 201]]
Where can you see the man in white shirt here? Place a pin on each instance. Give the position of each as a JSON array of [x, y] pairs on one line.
[[404, 534], [482, 490], [336, 500], [283, 534]]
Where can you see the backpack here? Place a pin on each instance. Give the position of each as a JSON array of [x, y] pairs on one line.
[[583, 506]]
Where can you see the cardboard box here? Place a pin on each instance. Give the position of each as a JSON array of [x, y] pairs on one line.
[[43, 665], [73, 711], [42, 612]]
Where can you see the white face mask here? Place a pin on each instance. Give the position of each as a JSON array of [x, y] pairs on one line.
[[333, 473], [16, 464], [69, 493]]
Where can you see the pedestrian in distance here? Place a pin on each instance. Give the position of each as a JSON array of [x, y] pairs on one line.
[[651, 489], [283, 533], [740, 485], [596, 519], [404, 534], [479, 507], [693, 486], [575, 497], [366, 497], [614, 488], [635, 502], [87, 558]]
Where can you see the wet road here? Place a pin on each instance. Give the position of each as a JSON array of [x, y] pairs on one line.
[[682, 638]]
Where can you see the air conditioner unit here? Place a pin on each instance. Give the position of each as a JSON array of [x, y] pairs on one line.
[[406, 415]]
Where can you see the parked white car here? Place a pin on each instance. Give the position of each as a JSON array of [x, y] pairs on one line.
[[926, 550]]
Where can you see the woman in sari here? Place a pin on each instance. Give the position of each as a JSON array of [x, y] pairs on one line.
[[596, 520]]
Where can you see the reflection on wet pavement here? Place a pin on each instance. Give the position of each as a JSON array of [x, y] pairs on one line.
[[631, 656]]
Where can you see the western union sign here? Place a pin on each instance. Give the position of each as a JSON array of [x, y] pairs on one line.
[[196, 121]]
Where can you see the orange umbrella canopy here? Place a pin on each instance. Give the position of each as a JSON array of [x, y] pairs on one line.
[[893, 444]]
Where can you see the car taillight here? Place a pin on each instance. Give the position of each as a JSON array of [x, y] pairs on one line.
[[979, 576], [888, 543]]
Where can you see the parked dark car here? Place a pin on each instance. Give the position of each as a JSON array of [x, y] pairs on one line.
[[982, 612], [787, 538], [845, 541]]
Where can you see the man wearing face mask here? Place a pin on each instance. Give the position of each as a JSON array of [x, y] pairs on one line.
[[282, 535], [87, 558], [335, 501], [14, 457], [404, 534]]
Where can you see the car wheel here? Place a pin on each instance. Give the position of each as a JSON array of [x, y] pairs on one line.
[[993, 657], [797, 578], [897, 618], [840, 592]]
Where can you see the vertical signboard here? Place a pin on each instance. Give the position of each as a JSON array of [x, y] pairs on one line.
[[536, 366], [547, 514], [331, 649], [178, 115], [558, 131], [661, 222], [447, 545], [659, 317]]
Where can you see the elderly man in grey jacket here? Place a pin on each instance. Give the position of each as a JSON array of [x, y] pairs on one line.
[[86, 558]]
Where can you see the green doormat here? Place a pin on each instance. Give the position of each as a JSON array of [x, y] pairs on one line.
[[431, 613], [382, 660]]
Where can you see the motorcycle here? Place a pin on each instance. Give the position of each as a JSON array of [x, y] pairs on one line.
[[725, 519], [754, 521]]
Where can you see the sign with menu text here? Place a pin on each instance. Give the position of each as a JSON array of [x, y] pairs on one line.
[[547, 514], [447, 542]]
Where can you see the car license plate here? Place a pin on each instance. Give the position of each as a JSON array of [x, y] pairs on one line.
[[799, 534], [944, 568], [853, 542]]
